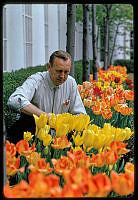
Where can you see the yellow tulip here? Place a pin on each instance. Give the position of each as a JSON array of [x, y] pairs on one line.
[[28, 136], [99, 141], [52, 120], [128, 133], [93, 127], [47, 139], [78, 148], [43, 132], [89, 138], [41, 121], [78, 140], [62, 129], [81, 122], [119, 135]]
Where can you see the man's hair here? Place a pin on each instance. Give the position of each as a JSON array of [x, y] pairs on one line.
[[59, 54]]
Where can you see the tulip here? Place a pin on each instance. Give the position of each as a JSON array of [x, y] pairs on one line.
[[23, 148], [12, 165], [41, 121], [41, 166], [89, 138], [11, 148], [78, 140], [47, 139], [122, 184], [43, 131], [28, 136], [61, 142], [62, 129], [118, 147], [129, 167]]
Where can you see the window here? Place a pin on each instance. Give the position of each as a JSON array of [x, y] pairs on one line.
[[4, 41], [46, 30], [28, 34]]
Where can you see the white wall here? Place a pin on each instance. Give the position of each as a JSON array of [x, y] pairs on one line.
[[62, 26], [52, 28], [15, 50], [38, 35]]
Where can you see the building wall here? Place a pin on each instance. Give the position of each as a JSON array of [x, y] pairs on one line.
[[15, 50], [38, 42], [48, 32]]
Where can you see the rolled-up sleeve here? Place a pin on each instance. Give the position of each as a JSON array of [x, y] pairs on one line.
[[76, 106], [23, 94]]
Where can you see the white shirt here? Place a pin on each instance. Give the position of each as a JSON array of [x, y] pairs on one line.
[[38, 89]]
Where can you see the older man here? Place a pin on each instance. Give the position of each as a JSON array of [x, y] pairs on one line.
[[53, 91]]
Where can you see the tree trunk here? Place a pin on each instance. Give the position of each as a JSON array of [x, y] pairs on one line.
[[106, 35], [95, 75], [86, 60], [114, 43], [70, 46]]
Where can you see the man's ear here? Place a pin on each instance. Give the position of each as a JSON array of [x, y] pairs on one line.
[[48, 66]]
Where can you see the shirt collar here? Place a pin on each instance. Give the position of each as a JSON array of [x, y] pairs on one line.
[[50, 82]]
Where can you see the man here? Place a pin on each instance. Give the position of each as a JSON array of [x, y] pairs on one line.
[[53, 91]]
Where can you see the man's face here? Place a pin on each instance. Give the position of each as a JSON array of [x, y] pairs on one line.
[[59, 71]]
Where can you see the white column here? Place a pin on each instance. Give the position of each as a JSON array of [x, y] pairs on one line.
[[52, 28], [62, 26], [38, 42], [15, 50]]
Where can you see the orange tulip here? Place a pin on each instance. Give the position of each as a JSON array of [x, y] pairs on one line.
[[61, 164], [11, 148], [41, 166], [99, 186], [33, 158], [129, 95], [97, 108], [44, 186], [98, 160], [23, 148], [71, 191], [79, 159], [12, 165], [123, 183], [110, 157], [21, 190], [119, 147], [78, 177], [129, 167], [61, 142], [107, 114]]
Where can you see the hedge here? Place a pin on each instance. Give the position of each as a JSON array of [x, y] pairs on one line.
[[128, 63]]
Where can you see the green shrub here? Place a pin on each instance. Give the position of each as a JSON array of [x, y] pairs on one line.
[[128, 63], [12, 80]]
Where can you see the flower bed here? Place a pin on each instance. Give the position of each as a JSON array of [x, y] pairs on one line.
[[78, 156], [79, 167]]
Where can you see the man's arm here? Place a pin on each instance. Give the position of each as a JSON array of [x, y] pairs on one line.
[[31, 109]]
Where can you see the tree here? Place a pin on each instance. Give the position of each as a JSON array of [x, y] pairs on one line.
[[86, 60], [95, 75], [71, 19], [107, 8]]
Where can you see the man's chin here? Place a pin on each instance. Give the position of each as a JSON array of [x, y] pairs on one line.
[[59, 82]]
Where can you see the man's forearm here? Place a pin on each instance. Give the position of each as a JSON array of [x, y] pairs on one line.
[[31, 109]]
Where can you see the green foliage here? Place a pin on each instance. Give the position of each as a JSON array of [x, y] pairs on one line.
[[12, 80], [78, 70], [128, 63]]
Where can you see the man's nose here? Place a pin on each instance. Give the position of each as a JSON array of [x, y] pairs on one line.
[[62, 75]]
